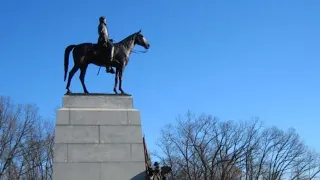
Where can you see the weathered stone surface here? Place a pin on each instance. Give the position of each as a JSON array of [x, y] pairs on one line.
[[77, 171], [92, 116], [134, 117], [62, 116], [98, 101], [129, 171], [120, 134], [99, 152], [60, 153], [137, 152], [77, 134]]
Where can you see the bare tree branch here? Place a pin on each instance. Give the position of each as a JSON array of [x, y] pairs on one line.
[[204, 148]]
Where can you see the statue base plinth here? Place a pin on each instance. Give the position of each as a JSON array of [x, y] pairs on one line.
[[98, 137]]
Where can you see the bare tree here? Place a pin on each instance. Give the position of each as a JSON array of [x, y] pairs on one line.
[[204, 148], [26, 142]]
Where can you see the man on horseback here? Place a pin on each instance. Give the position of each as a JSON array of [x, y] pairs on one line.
[[104, 41]]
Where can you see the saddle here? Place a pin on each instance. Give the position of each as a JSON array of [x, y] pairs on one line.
[[100, 53], [97, 47]]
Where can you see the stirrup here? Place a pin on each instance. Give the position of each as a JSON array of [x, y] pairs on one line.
[[110, 70]]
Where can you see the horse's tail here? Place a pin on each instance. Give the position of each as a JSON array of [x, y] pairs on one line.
[[66, 59]]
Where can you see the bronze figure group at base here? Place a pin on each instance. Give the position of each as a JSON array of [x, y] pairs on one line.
[[154, 173], [104, 54], [158, 173]]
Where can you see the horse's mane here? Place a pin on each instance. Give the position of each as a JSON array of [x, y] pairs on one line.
[[125, 40]]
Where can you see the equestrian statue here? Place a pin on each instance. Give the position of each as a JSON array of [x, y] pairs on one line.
[[104, 54]]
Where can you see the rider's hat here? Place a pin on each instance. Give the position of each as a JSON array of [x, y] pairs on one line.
[[102, 18]]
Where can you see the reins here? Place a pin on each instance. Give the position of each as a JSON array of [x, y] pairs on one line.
[[139, 52]]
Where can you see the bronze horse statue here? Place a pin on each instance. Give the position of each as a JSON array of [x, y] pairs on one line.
[[90, 53]]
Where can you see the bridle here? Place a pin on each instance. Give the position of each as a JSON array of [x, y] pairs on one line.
[[137, 51]]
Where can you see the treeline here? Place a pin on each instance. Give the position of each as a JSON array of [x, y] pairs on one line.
[[196, 147], [205, 148], [26, 142]]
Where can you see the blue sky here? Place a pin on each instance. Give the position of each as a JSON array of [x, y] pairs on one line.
[[231, 59]]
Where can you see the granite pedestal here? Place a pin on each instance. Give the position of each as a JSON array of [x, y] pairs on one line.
[[98, 137]]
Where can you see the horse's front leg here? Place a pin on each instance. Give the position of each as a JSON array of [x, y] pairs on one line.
[[120, 78], [116, 77]]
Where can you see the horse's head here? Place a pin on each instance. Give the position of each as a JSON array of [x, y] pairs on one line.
[[141, 40]]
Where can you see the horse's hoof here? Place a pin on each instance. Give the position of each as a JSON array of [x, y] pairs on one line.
[[115, 91], [124, 93], [68, 92], [86, 92]]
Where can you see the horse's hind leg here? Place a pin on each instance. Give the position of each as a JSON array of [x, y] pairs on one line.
[[83, 70], [71, 73]]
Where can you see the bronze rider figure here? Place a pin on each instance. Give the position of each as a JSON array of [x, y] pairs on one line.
[[104, 41]]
